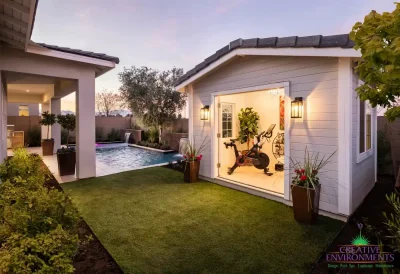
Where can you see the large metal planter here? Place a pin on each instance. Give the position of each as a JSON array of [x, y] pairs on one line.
[[47, 147], [191, 173], [66, 163], [305, 203]]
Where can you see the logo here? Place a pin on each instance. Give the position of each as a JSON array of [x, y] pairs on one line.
[[360, 254], [360, 239]]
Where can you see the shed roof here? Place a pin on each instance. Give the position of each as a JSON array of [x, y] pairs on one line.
[[315, 41]]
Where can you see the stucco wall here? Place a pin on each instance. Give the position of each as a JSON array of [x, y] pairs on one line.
[[313, 78], [13, 109], [363, 173], [24, 123]]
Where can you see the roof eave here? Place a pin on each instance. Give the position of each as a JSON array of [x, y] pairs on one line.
[[102, 65], [305, 51]]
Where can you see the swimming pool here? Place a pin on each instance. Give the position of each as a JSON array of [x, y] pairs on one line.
[[121, 157]]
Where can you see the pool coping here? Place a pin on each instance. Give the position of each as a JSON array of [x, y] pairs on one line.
[[150, 148], [114, 171]]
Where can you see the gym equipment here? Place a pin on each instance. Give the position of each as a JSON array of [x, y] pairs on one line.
[[259, 159], [278, 150]]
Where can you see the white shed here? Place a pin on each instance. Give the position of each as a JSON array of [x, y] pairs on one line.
[[267, 74]]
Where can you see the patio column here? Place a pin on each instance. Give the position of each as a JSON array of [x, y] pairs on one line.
[[85, 127], [55, 106], [45, 107]]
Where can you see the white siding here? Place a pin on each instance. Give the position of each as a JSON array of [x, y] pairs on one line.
[[313, 78], [363, 173]]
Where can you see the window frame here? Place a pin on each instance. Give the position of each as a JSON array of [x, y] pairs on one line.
[[26, 109], [233, 120], [370, 151]]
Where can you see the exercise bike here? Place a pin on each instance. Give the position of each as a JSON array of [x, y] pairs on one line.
[[259, 159]]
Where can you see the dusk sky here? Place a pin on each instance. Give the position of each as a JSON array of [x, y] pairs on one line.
[[164, 34]]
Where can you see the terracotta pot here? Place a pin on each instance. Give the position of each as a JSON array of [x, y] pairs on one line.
[[66, 163], [305, 203], [47, 147], [191, 173]]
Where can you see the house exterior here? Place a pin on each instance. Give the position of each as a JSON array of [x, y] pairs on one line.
[[22, 109], [49, 73], [317, 68]]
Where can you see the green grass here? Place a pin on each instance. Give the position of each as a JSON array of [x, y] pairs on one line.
[[152, 222]]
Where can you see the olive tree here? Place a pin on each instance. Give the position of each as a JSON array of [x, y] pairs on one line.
[[151, 95], [378, 40]]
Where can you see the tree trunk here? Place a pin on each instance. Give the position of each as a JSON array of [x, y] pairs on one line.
[[397, 185], [67, 137], [159, 133], [48, 129]]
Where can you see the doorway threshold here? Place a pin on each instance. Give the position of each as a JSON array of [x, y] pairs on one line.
[[249, 189]]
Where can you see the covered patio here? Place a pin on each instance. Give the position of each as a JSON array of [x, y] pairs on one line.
[[39, 73], [51, 163]]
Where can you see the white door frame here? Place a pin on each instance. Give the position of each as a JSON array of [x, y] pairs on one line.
[[287, 132]]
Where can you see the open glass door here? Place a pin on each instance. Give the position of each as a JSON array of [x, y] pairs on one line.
[[226, 129]]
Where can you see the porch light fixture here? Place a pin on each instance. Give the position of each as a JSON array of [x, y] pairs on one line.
[[205, 113], [297, 107]]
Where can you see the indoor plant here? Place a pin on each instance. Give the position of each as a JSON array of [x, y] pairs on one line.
[[248, 125], [48, 119], [66, 157], [192, 158], [306, 186]]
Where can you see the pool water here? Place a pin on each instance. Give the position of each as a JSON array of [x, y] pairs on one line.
[[124, 157]]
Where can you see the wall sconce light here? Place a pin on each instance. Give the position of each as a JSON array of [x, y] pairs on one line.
[[205, 113], [297, 107]]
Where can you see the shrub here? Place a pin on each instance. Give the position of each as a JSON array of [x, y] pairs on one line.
[[23, 166], [392, 221], [99, 134], [114, 135], [34, 137], [37, 225], [154, 145], [48, 119], [153, 135], [44, 253], [67, 122], [145, 135], [64, 136]]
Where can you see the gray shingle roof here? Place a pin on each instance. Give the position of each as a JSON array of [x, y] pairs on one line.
[[101, 56], [316, 41]]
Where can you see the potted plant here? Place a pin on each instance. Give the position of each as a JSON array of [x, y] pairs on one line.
[[306, 186], [248, 127], [66, 157], [48, 119], [192, 158]]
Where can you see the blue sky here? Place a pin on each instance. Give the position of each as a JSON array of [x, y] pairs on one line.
[[164, 34]]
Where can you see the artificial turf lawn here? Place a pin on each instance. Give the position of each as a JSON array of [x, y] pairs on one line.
[[152, 222]]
